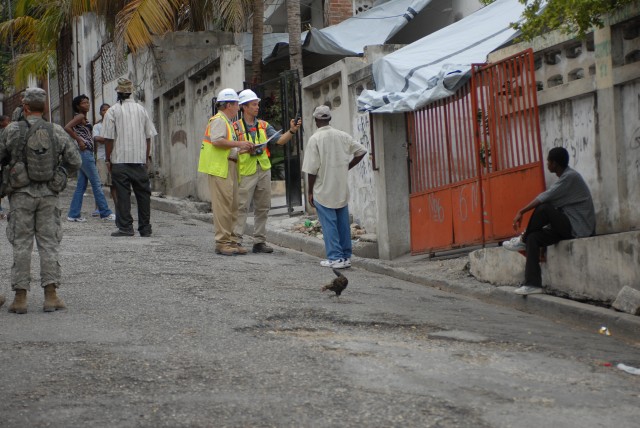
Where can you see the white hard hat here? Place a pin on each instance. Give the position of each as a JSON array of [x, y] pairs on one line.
[[248, 95], [227, 94]]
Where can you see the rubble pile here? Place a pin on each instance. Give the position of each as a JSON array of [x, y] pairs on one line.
[[311, 226]]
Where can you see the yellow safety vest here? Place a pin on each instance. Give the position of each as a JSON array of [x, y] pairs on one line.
[[247, 162], [215, 160]]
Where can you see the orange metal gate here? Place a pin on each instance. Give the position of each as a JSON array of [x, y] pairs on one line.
[[475, 158]]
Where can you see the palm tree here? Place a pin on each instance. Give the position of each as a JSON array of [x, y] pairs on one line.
[[295, 46], [37, 24], [257, 41]]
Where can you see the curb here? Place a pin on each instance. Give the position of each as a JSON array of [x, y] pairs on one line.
[[581, 315]]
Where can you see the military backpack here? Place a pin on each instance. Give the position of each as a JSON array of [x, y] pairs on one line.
[[37, 159]]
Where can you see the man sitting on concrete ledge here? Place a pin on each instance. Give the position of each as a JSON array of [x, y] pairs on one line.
[[563, 211]]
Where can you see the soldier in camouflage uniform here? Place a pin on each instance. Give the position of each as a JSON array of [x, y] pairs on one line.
[[34, 212]]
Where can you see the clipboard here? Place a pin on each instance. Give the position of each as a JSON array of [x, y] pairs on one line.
[[263, 145]]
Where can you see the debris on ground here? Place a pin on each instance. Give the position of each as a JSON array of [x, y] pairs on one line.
[[311, 226], [628, 369]]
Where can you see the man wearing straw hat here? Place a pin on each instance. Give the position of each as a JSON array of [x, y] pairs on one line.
[[127, 131]]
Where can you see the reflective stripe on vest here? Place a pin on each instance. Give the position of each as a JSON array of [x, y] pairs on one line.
[[248, 163], [215, 160]]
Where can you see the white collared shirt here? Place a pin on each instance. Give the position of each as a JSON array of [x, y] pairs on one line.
[[327, 156], [129, 126]]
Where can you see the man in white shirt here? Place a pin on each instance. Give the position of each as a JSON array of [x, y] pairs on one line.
[[127, 130], [329, 156]]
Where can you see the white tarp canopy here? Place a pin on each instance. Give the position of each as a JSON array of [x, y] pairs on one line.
[[348, 38], [372, 27], [432, 67]]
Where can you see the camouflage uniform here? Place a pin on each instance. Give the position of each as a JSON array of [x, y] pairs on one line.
[[34, 212]]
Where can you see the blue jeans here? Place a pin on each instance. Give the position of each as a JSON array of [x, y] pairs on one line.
[[88, 171], [336, 231]]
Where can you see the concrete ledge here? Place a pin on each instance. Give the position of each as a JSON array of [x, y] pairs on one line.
[[595, 268], [178, 206], [497, 266], [590, 269], [311, 245]]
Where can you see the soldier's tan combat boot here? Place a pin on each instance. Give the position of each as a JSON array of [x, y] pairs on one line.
[[51, 300], [19, 305]]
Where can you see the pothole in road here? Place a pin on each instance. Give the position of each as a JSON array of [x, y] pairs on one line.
[[317, 324]]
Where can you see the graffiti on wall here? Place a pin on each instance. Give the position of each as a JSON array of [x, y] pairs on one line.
[[576, 148], [436, 209], [469, 202], [365, 168], [363, 204]]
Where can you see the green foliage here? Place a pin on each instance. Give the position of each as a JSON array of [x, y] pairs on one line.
[[36, 25], [577, 17], [271, 111]]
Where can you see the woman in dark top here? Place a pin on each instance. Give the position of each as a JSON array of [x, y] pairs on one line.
[[79, 129]]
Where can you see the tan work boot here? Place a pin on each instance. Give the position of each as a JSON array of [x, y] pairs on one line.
[[51, 300], [19, 305], [226, 249], [241, 250], [2, 300]]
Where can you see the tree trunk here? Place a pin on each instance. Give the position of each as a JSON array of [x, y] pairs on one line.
[[295, 46], [257, 37]]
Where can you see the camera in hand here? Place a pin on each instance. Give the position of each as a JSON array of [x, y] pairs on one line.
[[257, 152]]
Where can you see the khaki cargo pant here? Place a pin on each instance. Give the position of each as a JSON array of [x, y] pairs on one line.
[[224, 204], [40, 218], [256, 188]]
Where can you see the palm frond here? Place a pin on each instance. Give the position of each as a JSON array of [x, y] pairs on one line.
[[234, 13], [23, 29], [195, 14], [32, 63], [142, 19]]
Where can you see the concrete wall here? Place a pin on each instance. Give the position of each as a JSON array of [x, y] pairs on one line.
[[591, 269], [329, 86], [390, 139], [379, 184], [589, 98], [184, 107], [181, 50], [175, 81]]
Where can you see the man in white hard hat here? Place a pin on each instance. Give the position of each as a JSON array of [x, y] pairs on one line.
[[255, 168], [219, 159]]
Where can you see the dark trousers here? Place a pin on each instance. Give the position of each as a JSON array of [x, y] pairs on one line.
[[127, 176], [547, 226]]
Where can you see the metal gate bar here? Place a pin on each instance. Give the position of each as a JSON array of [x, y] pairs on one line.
[[290, 92], [475, 157]]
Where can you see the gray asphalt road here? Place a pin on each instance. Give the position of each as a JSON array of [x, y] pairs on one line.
[[161, 332]]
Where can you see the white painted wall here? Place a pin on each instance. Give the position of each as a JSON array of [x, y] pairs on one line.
[[630, 118], [362, 186], [88, 35], [570, 124]]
